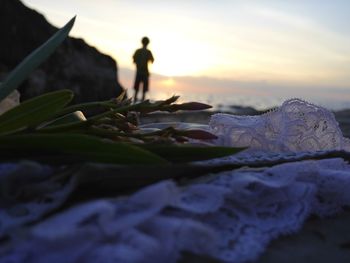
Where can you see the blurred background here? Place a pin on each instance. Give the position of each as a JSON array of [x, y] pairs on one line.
[[251, 53]]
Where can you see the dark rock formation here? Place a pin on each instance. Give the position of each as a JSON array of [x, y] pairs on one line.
[[74, 65]]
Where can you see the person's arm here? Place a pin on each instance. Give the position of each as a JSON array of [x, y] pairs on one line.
[[134, 57], [151, 58]]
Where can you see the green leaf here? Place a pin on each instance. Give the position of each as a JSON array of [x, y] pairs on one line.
[[198, 134], [21, 72], [117, 179], [186, 153], [82, 148], [34, 111], [76, 116]]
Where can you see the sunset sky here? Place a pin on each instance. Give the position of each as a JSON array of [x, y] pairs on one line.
[[247, 47]]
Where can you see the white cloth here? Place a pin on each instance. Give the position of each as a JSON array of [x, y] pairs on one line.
[[295, 126], [231, 216]]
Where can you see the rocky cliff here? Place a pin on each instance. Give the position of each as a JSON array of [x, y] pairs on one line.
[[74, 65]]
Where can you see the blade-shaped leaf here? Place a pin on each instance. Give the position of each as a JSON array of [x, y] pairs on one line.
[[34, 111], [33, 60], [82, 147], [186, 153], [76, 116]]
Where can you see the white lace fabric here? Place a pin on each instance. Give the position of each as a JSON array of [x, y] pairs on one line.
[[232, 216], [293, 127]]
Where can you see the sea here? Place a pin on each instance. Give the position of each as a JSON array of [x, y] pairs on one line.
[[225, 94], [224, 100]]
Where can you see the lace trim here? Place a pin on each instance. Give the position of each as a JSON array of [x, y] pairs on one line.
[[295, 126]]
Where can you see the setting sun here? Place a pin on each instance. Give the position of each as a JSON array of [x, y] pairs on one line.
[[169, 82]]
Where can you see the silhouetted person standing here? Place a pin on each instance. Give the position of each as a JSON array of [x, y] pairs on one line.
[[141, 58]]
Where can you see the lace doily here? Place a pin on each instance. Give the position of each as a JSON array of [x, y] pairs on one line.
[[232, 216]]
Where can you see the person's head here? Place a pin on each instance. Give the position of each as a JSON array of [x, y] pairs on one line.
[[145, 41]]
